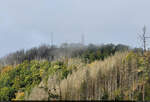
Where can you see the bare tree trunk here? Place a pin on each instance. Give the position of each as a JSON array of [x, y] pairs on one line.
[[60, 91], [143, 92]]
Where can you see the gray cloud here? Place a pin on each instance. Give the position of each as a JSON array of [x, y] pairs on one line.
[[28, 23]]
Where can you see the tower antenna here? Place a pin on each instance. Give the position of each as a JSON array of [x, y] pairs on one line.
[[51, 39], [82, 39]]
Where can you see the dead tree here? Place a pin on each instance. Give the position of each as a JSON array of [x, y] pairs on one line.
[[144, 38]]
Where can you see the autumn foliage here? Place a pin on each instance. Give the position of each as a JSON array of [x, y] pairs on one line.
[[124, 76]]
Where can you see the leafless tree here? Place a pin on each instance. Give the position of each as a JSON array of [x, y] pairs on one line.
[[144, 38]]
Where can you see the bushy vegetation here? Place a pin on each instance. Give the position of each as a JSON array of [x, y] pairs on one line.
[[120, 77], [17, 80], [105, 72]]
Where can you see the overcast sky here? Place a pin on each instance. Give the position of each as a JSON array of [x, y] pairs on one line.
[[28, 23]]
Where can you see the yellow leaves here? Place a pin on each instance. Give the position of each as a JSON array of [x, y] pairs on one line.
[[141, 60], [16, 83], [6, 69], [91, 64], [19, 96], [139, 70], [130, 56], [56, 67], [41, 72], [117, 92], [146, 77]]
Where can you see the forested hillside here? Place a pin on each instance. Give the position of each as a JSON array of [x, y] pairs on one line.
[[106, 72], [74, 50], [87, 53]]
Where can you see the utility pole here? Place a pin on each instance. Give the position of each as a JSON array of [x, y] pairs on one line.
[[51, 39], [82, 39], [144, 38], [52, 57]]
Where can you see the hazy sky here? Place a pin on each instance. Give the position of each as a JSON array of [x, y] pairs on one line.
[[28, 23]]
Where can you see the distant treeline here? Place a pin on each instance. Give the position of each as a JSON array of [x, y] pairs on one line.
[[87, 53]]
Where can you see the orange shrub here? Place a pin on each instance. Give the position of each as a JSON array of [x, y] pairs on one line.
[[6, 69]]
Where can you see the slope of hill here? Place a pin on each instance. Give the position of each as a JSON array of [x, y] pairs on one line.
[[120, 77], [124, 76]]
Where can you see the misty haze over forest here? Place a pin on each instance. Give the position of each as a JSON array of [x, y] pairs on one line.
[[74, 50], [25, 24]]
